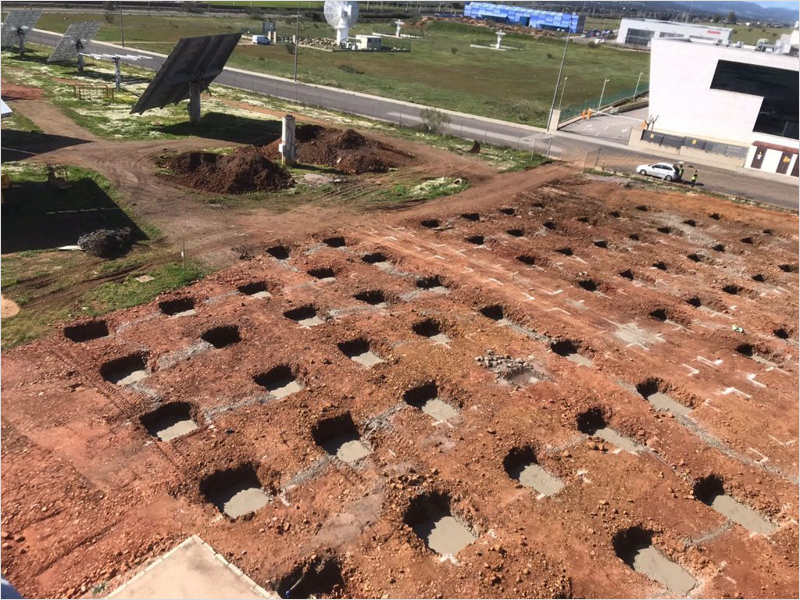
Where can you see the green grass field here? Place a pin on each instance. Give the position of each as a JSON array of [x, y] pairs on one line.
[[442, 71]]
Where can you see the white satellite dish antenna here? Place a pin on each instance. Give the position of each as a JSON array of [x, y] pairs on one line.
[[399, 26], [341, 15]]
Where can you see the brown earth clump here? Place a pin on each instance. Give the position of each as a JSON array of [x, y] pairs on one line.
[[244, 170], [347, 151]]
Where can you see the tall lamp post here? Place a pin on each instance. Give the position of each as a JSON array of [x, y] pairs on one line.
[[603, 93], [563, 87], [296, 40], [558, 79], [636, 91]]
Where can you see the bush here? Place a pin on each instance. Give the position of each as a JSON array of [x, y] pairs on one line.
[[349, 69], [290, 47], [106, 243], [434, 121], [454, 50], [549, 55]]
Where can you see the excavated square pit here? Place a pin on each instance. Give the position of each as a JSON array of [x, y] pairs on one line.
[[430, 329], [359, 351], [374, 298], [339, 437], [426, 398], [235, 492], [521, 464], [569, 350], [125, 370], [323, 274], [661, 401], [85, 332], [593, 423], [223, 336], [179, 307], [335, 242], [306, 316], [430, 518], [279, 381], [432, 284], [377, 259], [170, 421], [279, 252], [255, 289], [635, 547], [319, 577], [711, 492]]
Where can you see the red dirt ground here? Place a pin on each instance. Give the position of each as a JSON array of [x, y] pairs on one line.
[[88, 494]]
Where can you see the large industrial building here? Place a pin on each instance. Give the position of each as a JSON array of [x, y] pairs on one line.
[[640, 32], [739, 102], [526, 17]]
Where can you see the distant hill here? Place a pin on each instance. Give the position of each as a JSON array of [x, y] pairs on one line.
[[778, 12]]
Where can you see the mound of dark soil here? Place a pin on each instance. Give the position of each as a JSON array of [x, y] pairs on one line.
[[346, 150], [107, 243], [244, 170]]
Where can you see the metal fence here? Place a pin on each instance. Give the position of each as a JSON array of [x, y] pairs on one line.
[[710, 179], [607, 100], [676, 141]]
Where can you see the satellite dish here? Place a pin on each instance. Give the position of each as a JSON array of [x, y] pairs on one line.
[[341, 15]]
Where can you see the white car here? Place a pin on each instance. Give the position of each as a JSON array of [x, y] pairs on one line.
[[663, 171]]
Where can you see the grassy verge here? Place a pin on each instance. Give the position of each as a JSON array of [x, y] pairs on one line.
[[230, 114], [50, 285], [441, 71]]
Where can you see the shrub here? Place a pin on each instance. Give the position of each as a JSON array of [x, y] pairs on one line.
[[434, 121], [453, 49]]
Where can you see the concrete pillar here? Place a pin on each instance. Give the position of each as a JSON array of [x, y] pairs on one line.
[[21, 35], [554, 118], [80, 63], [194, 103], [117, 74], [288, 148]]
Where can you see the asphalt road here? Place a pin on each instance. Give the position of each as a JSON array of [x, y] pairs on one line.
[[563, 144]]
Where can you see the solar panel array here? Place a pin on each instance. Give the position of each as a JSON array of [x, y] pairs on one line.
[[196, 60], [74, 41], [16, 20]]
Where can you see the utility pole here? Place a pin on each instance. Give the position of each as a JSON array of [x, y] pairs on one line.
[[296, 40], [563, 87], [636, 91], [603, 93], [558, 79], [121, 24]]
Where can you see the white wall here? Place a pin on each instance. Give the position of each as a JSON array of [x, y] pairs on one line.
[[681, 94], [682, 29]]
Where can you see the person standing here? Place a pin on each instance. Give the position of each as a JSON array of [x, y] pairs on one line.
[[694, 178]]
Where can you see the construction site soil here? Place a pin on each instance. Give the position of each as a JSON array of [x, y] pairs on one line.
[[347, 151], [243, 170], [573, 389]]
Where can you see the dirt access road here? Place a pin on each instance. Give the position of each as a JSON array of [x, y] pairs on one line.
[[211, 233]]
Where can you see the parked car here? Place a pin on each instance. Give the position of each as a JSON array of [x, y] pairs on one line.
[[664, 171]]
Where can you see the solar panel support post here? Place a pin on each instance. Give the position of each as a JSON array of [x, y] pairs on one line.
[[80, 63], [194, 103], [21, 35]]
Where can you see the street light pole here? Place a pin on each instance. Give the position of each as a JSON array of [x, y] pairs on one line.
[[563, 87], [636, 91], [296, 40], [558, 79], [603, 93], [121, 25]]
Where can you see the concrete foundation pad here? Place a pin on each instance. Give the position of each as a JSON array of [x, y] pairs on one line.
[[191, 570]]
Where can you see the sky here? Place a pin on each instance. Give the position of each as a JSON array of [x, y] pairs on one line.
[[780, 4]]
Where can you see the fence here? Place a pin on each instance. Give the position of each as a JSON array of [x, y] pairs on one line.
[[710, 179], [677, 142], [607, 100]]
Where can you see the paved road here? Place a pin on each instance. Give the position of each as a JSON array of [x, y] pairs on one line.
[[610, 127], [563, 144]]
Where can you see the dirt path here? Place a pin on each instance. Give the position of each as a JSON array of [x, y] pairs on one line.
[[211, 233]]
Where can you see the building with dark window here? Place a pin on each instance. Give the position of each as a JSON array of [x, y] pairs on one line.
[[716, 95], [640, 32]]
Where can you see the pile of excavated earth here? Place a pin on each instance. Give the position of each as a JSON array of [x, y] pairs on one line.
[[347, 151], [575, 389], [243, 170]]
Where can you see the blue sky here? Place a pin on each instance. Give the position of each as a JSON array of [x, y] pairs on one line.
[[780, 4]]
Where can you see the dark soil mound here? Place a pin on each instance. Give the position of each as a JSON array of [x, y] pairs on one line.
[[346, 151], [244, 170]]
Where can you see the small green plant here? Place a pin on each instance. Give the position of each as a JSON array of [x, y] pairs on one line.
[[453, 50], [350, 69], [550, 55]]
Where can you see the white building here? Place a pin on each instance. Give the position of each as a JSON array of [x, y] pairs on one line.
[[715, 95], [639, 32]]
